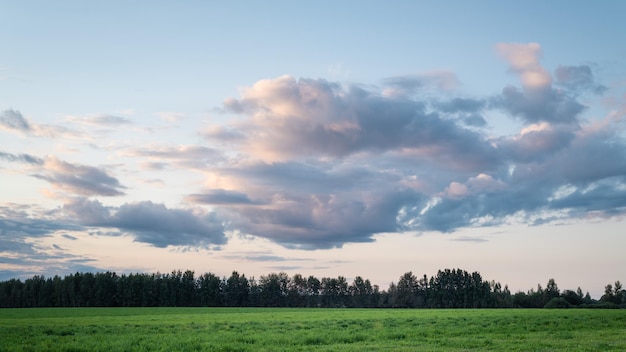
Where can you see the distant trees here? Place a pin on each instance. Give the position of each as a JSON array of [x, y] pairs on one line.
[[614, 294], [449, 288]]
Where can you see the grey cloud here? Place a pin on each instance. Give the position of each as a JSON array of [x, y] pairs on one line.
[[460, 178], [405, 84], [19, 225], [470, 239], [80, 179], [23, 220], [262, 258], [538, 100], [465, 105], [76, 178], [223, 134], [22, 158], [474, 120], [219, 196], [69, 237], [412, 84], [315, 117], [326, 221], [100, 120], [13, 119], [578, 79], [286, 267], [584, 177], [467, 110], [151, 223], [299, 178], [603, 198], [547, 105], [591, 157], [188, 156], [535, 145]]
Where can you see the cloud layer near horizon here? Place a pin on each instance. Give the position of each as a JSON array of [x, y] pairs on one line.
[[311, 163]]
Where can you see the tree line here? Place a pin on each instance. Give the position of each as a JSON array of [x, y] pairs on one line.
[[454, 288]]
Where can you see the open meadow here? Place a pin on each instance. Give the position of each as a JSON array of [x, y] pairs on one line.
[[282, 329]]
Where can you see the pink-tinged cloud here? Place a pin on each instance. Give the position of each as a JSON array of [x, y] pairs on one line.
[[524, 60], [306, 118]]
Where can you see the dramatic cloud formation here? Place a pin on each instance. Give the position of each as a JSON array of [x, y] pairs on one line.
[[311, 163], [342, 163]]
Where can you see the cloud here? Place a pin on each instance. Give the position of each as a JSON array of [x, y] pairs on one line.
[[262, 257], [524, 60], [324, 221], [582, 177], [538, 101], [311, 163], [604, 198], [467, 110], [328, 163], [183, 156], [100, 120], [79, 179], [17, 221], [317, 118], [13, 120], [578, 79], [150, 222], [550, 106], [219, 196], [407, 85], [470, 239], [21, 253], [223, 134], [71, 178], [21, 158], [537, 141]]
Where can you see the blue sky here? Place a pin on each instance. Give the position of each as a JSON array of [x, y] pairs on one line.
[[326, 138]]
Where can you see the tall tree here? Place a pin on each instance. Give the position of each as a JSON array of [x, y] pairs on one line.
[[236, 290]]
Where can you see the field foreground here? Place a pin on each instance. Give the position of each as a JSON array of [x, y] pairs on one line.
[[266, 329]]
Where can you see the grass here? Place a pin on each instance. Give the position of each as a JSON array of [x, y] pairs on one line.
[[263, 329]]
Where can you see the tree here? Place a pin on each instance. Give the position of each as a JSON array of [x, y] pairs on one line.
[[406, 291], [297, 291], [361, 292], [552, 290], [210, 287], [273, 289], [236, 290], [334, 291], [573, 298], [613, 294], [314, 288]]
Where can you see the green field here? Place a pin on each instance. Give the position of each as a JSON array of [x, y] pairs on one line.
[[281, 329]]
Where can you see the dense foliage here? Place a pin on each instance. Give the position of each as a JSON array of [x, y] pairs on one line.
[[447, 289]]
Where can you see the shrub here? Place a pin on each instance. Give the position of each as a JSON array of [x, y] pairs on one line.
[[557, 302]]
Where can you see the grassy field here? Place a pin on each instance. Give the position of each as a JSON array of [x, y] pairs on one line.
[[259, 329]]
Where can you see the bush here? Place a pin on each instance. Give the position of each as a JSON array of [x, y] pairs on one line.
[[557, 302]]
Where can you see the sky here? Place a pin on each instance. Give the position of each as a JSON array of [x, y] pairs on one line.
[[327, 138]]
